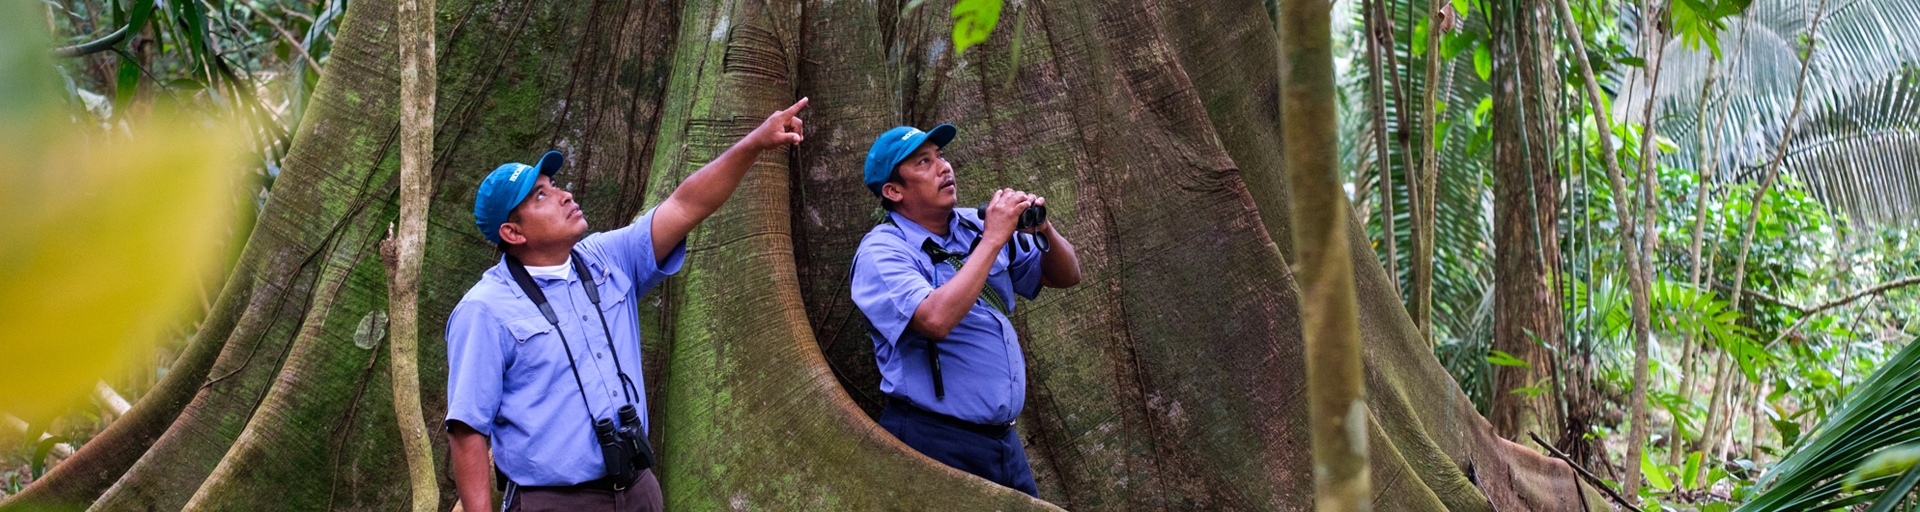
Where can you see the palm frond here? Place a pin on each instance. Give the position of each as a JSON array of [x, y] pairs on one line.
[[1882, 412], [1855, 139]]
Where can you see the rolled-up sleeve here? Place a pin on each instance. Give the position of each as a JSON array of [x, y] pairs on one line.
[[1024, 269], [887, 286], [631, 249], [476, 366]]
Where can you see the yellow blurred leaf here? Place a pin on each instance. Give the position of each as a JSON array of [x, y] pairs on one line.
[[103, 243]]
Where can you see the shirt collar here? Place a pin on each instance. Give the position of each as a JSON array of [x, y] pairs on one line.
[[916, 235], [499, 273]]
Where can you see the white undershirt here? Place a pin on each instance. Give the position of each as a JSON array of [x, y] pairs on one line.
[[560, 271]]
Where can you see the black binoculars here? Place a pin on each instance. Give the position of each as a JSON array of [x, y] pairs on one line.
[[1032, 217], [623, 447]]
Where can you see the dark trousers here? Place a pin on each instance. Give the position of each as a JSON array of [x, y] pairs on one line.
[[998, 459], [643, 496]]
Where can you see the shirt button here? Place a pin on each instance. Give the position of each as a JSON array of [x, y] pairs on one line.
[[599, 355], [583, 318]]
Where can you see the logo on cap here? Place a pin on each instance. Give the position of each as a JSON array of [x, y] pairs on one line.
[[910, 134], [516, 173]]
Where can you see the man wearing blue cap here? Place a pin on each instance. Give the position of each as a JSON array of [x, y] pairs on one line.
[[937, 284], [537, 351]]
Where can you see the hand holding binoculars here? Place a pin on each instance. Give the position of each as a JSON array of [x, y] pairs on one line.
[[1029, 219]]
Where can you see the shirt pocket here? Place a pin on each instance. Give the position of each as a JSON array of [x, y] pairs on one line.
[[616, 290], [526, 328]]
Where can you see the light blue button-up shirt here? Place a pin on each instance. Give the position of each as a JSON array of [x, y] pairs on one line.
[[985, 375], [507, 374]]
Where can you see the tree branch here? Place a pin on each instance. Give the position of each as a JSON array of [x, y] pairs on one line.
[[95, 46], [1596, 481], [1811, 312], [1762, 296], [292, 41]]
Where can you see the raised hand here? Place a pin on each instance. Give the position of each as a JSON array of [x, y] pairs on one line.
[[781, 128], [1003, 212]]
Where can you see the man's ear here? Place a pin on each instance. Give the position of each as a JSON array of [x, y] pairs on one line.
[[893, 192], [510, 233]]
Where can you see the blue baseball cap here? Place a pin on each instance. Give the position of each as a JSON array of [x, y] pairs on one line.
[[895, 145], [505, 188]]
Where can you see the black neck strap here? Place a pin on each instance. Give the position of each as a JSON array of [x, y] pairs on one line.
[[539, 298]]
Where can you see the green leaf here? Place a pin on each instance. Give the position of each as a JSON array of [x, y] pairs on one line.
[[1789, 431], [1483, 62], [1530, 391], [1888, 462], [40, 450], [1633, 61], [1461, 8], [1502, 358], [1690, 472], [125, 85], [1656, 473], [973, 21], [1452, 44], [1419, 41]]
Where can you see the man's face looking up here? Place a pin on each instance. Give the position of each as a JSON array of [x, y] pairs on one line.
[[926, 181], [547, 216]]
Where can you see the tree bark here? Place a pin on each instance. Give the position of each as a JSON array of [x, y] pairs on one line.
[[1383, 155], [417, 80], [1173, 377], [1630, 250], [1336, 408], [1653, 41], [1429, 170], [1527, 307]]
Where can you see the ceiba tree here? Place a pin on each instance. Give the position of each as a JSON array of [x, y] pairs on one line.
[[1172, 378]]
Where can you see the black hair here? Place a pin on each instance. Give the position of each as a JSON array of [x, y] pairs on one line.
[[894, 178]]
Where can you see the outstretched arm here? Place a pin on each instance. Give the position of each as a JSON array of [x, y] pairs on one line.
[[703, 192]]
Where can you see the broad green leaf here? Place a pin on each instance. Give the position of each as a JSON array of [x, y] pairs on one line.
[[1483, 62], [1452, 44], [1689, 476], [1789, 431], [973, 21], [125, 85], [1656, 473], [1419, 41]]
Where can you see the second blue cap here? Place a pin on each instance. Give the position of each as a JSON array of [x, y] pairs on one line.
[[895, 145]]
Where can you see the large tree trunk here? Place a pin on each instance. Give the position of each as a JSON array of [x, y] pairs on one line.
[[1526, 215], [1172, 377]]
